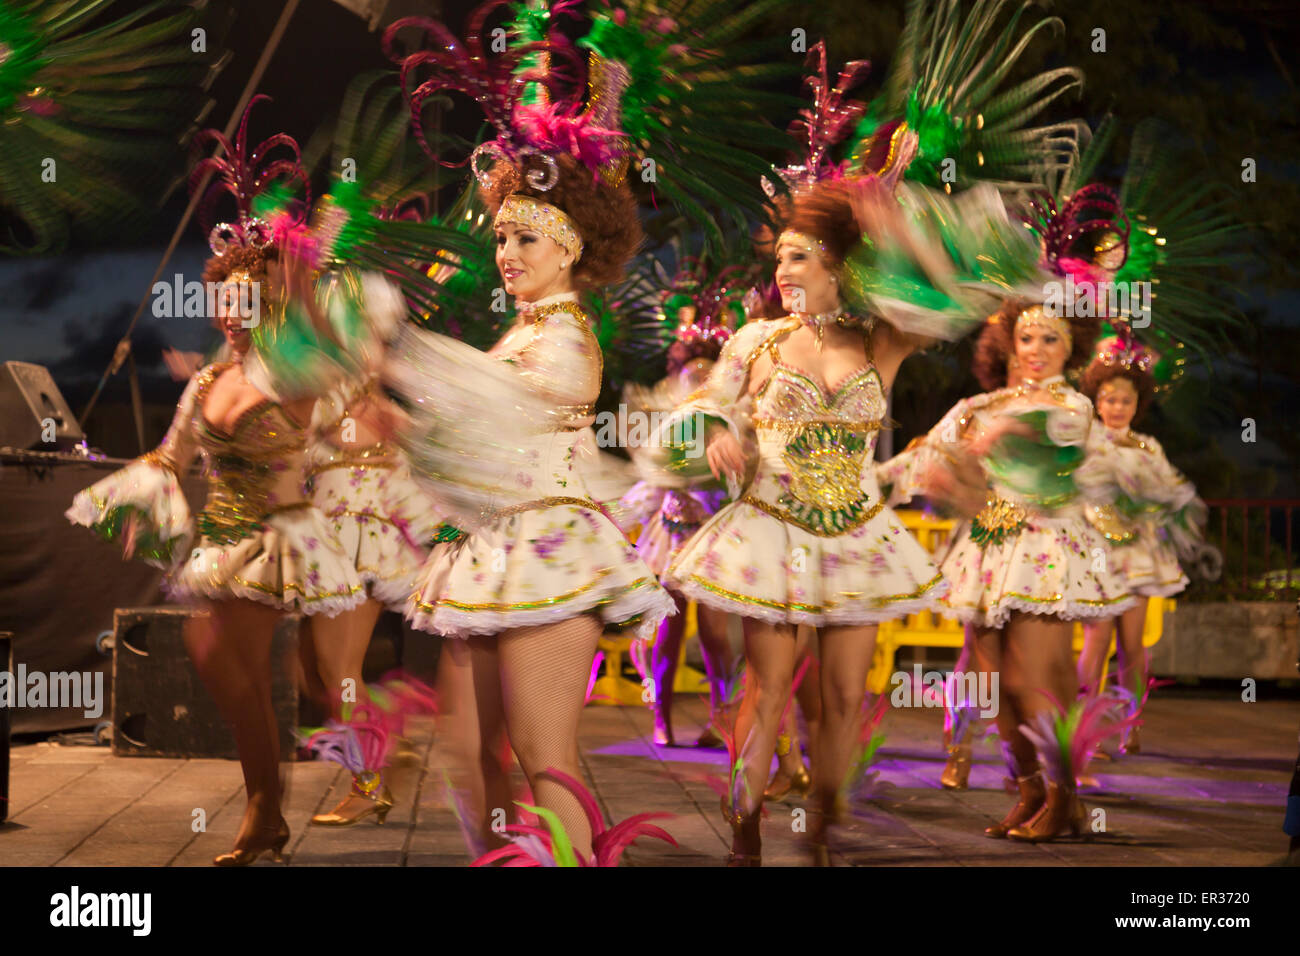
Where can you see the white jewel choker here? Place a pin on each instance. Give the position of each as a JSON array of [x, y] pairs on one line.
[[819, 320]]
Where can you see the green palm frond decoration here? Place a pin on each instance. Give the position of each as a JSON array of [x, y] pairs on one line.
[[696, 101], [96, 100], [1186, 239], [945, 86]]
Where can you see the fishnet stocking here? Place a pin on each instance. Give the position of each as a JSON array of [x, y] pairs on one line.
[[543, 672]]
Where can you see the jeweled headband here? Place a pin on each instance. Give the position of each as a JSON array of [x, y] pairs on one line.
[[551, 221], [1037, 315], [801, 240]]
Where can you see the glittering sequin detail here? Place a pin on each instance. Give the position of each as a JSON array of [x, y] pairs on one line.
[[997, 521], [245, 468]]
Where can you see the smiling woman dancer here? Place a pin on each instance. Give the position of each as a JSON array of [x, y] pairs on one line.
[[258, 549], [808, 539], [538, 567]]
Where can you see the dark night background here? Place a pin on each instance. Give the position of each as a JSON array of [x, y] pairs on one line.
[[1222, 72]]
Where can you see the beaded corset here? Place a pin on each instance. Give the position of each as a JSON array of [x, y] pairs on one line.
[[816, 448], [254, 471]]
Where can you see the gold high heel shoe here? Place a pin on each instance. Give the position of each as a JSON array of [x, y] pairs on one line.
[[246, 856], [782, 783], [1130, 744], [374, 796]]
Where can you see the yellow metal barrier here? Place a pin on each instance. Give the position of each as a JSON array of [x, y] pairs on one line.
[[928, 629], [614, 689], [924, 629]]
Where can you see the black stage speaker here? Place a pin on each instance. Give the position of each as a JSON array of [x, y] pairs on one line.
[[160, 706], [29, 400], [7, 663]]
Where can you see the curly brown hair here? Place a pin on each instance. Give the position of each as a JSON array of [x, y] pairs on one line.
[[240, 258], [994, 347], [1098, 373], [996, 343], [606, 216]]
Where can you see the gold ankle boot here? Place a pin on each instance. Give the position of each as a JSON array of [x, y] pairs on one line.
[[956, 772], [369, 795], [746, 840], [1033, 796]]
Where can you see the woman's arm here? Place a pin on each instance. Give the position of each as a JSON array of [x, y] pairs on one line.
[[142, 505]]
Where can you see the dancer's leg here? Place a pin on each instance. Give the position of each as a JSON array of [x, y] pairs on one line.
[[1041, 645], [846, 654], [995, 656], [231, 650], [1096, 648], [475, 679], [1048, 681], [769, 656], [808, 695], [715, 648], [663, 664], [340, 644], [961, 717], [544, 672], [1132, 671]]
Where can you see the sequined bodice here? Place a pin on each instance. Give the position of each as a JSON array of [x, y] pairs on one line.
[[816, 447], [791, 397], [253, 471]]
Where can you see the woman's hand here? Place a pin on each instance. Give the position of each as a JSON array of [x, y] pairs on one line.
[[982, 442], [182, 365], [724, 454], [298, 277], [130, 531], [960, 487]]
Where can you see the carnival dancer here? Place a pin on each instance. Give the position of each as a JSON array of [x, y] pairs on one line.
[[501, 438], [1155, 519], [911, 473], [382, 520], [259, 548]]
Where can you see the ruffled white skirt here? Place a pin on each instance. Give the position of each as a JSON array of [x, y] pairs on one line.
[[755, 564], [1149, 564], [538, 566], [381, 519], [1053, 565], [294, 563]]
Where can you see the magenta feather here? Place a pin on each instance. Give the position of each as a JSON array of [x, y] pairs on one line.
[[531, 845], [552, 130], [495, 82], [241, 174], [609, 846], [830, 119]]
